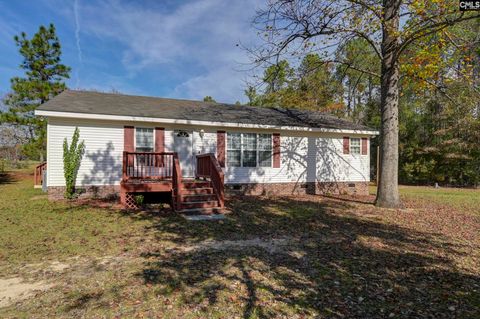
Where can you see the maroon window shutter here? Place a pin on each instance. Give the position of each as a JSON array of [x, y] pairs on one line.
[[159, 145], [276, 150], [159, 139], [346, 145], [364, 146], [221, 148], [128, 139]]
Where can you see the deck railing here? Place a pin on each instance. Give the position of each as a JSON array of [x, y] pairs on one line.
[[147, 165], [38, 174], [176, 182], [208, 167]]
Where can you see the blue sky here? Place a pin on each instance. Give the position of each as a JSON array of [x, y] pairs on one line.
[[180, 49]]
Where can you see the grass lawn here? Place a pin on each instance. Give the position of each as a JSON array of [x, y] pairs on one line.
[[286, 257], [466, 200]]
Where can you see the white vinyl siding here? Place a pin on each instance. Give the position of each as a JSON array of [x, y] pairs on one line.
[[305, 156], [303, 159], [102, 161]]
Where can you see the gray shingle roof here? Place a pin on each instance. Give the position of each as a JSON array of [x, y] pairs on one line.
[[143, 106]]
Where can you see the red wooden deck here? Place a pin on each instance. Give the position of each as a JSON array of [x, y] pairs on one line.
[[161, 172]]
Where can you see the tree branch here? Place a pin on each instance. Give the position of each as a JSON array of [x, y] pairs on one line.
[[430, 29]]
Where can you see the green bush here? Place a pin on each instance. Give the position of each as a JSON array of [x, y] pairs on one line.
[[72, 157], [139, 200]]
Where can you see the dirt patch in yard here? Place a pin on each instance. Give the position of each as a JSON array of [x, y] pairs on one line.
[[15, 289], [39, 277]]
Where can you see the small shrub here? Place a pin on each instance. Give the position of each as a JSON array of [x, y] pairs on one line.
[[72, 157], [139, 200]]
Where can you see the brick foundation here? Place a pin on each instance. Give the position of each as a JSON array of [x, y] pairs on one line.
[[104, 191], [327, 188], [340, 188]]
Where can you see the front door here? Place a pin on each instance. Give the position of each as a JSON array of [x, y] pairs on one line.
[[183, 145]]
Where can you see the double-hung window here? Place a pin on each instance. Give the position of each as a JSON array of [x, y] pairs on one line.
[[249, 150], [144, 139], [264, 150], [354, 145], [234, 149]]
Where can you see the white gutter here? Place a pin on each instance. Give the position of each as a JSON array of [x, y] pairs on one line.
[[126, 118]]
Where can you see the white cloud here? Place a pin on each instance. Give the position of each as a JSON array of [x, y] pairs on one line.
[[201, 35], [224, 84]]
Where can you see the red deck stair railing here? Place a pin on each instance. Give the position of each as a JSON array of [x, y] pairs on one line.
[[147, 165], [142, 169], [176, 183], [38, 173], [208, 167]]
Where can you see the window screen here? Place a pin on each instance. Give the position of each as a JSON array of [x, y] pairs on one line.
[[234, 149], [354, 146], [144, 139], [264, 150], [249, 150]]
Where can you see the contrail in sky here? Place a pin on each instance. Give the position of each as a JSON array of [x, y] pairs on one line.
[[77, 37]]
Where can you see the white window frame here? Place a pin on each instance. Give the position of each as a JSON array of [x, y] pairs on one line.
[[153, 137], [256, 149], [359, 146], [271, 149]]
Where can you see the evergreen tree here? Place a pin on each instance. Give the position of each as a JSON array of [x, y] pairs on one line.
[[253, 96], [210, 99], [277, 76], [310, 85], [317, 88], [44, 78]]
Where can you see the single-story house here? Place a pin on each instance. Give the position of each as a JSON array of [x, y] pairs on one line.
[[197, 150]]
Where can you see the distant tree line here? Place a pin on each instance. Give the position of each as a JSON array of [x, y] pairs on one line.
[[439, 103]]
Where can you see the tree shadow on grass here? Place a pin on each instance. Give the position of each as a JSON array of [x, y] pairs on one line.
[[6, 178], [338, 263]]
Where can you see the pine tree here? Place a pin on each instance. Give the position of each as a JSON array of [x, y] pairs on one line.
[[44, 78], [210, 99]]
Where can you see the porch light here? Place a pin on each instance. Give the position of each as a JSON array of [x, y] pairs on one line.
[[201, 133]]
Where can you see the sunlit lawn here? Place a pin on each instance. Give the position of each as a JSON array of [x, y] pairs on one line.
[[464, 199], [290, 257]]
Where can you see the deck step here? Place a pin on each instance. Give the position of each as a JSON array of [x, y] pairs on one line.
[[198, 197], [197, 191], [196, 184], [203, 204], [201, 211]]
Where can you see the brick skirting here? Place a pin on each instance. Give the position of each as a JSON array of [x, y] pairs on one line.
[[326, 188], [103, 191], [332, 188]]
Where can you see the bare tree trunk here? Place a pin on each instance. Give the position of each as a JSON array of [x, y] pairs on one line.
[[387, 193]]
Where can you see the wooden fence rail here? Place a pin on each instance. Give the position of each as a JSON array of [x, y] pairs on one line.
[[147, 165], [38, 174]]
